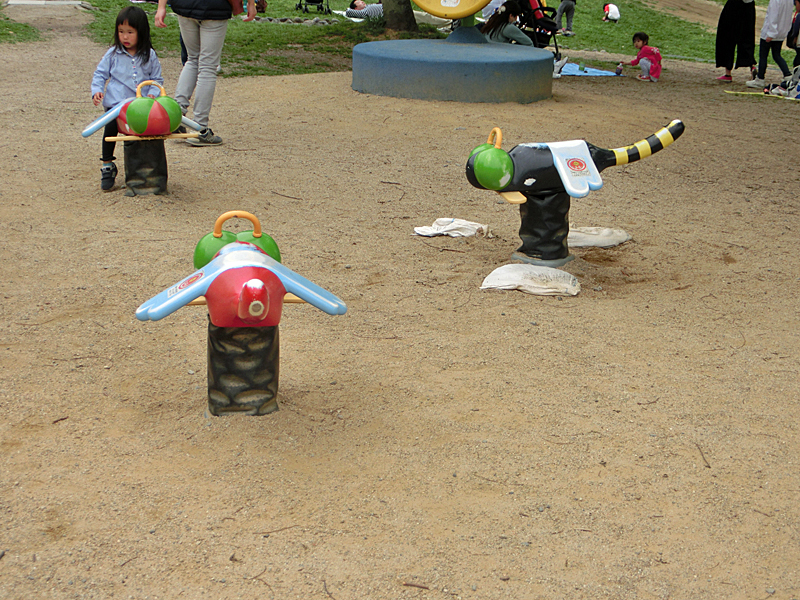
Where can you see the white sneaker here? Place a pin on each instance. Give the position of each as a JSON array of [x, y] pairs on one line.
[[755, 83], [556, 75], [559, 64]]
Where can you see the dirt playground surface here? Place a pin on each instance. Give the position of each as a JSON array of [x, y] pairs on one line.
[[639, 440]]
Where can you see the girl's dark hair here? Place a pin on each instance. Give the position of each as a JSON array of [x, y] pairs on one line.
[[500, 17], [641, 35], [137, 19]]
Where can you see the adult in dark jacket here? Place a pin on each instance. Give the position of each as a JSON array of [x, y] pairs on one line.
[[203, 26], [736, 33], [794, 34]]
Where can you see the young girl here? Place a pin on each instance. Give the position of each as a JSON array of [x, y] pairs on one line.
[[130, 60], [647, 57]]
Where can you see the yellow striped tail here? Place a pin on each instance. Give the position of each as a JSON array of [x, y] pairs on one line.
[[650, 145]]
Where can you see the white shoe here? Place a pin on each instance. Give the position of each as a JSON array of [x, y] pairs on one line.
[[559, 64], [755, 83], [556, 75]]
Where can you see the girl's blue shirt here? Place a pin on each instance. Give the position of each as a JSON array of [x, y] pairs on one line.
[[124, 73]]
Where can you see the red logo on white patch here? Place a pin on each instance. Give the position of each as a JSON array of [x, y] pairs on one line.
[[576, 164], [184, 284]]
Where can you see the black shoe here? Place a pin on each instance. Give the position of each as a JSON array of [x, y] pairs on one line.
[[108, 174], [207, 138]]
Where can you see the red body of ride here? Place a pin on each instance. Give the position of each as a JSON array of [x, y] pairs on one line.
[[157, 121], [245, 297]]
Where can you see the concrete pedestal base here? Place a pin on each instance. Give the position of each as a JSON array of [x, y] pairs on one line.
[[452, 70]]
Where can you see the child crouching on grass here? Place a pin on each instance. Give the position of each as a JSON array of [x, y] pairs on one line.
[[647, 57]]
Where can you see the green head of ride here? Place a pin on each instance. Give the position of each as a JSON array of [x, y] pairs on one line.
[[213, 242], [491, 165]]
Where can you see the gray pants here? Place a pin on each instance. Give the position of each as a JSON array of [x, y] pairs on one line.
[[645, 65], [567, 7], [203, 40]]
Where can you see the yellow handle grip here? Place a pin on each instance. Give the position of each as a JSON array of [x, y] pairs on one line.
[[240, 214], [497, 134], [149, 82]]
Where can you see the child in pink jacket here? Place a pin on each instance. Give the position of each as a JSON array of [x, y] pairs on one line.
[[647, 57]]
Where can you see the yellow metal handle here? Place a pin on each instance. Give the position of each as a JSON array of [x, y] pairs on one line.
[[240, 214], [149, 82], [497, 135]]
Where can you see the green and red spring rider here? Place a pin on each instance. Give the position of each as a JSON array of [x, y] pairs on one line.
[[149, 116]]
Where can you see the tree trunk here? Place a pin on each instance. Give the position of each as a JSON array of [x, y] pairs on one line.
[[399, 15]]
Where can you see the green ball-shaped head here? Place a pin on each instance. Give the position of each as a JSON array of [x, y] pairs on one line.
[[480, 148], [208, 246], [493, 168], [265, 242]]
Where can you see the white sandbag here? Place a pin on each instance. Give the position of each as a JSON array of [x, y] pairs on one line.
[[596, 237], [453, 228], [532, 279]]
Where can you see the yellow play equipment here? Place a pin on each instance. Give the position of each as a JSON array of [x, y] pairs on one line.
[[451, 9]]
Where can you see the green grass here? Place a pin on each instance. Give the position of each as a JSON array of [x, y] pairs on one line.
[[12, 32], [675, 38], [262, 48]]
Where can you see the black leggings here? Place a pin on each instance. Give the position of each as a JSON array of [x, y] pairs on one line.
[[111, 130], [763, 51]]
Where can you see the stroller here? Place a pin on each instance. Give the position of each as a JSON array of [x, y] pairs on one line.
[[538, 23], [322, 6]]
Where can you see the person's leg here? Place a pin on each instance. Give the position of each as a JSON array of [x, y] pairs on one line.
[[190, 34], [570, 12], [212, 37], [776, 46], [796, 61], [184, 54], [108, 171], [560, 14], [111, 130], [644, 65], [725, 50], [763, 53], [758, 79]]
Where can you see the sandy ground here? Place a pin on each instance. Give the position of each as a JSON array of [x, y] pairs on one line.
[[639, 440]]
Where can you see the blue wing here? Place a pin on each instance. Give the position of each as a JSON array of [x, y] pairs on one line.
[[306, 290], [106, 117], [189, 123], [177, 296], [234, 256], [583, 176]]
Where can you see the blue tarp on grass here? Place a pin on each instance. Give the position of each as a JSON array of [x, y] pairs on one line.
[[574, 69]]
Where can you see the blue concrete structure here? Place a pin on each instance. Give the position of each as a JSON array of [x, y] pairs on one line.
[[462, 68]]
